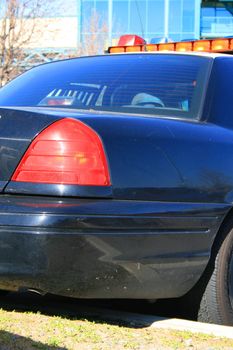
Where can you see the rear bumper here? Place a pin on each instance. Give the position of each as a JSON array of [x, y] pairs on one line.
[[105, 248]]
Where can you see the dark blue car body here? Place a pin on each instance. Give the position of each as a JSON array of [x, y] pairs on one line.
[[149, 234]]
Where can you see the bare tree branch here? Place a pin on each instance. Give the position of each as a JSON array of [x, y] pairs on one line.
[[95, 35], [19, 26]]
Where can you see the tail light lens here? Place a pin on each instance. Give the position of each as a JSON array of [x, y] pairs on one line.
[[66, 152]]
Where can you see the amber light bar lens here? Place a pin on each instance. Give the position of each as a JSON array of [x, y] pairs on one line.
[[135, 48], [220, 45], [202, 45], [151, 47], [166, 47], [116, 49], [186, 46]]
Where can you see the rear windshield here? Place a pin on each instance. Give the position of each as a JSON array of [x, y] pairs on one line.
[[163, 84]]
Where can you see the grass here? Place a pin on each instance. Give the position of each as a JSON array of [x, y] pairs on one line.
[[28, 331]]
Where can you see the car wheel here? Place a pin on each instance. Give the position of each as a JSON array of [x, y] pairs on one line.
[[216, 304]]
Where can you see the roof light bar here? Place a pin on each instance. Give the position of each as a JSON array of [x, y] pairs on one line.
[[133, 43]]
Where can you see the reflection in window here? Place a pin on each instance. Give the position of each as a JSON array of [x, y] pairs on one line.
[[138, 17], [217, 21], [188, 17], [156, 17], [175, 16], [87, 9], [102, 8], [120, 19], [146, 17]]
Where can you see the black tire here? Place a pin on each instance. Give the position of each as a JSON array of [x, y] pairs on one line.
[[216, 304]]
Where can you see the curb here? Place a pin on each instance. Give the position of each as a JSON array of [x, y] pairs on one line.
[[141, 320], [194, 327]]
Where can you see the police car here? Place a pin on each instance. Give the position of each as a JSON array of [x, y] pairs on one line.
[[116, 176]]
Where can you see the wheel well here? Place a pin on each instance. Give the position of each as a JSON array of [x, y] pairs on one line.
[[193, 297], [227, 222]]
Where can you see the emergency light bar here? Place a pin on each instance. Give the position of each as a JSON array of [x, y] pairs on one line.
[[133, 43]]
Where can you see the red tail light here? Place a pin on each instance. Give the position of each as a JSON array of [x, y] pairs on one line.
[[66, 152]]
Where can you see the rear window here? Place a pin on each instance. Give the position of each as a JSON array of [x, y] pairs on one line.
[[163, 84]]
